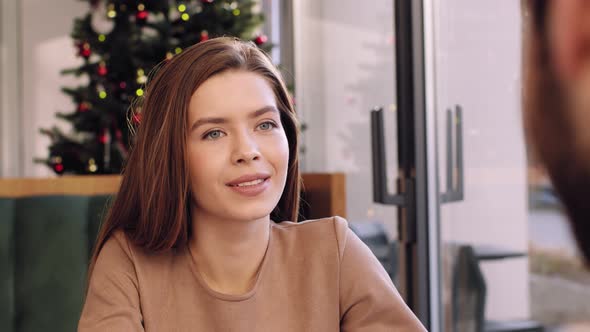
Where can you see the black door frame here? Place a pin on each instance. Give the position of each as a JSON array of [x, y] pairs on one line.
[[416, 257]]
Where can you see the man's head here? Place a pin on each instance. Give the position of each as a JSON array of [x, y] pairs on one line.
[[557, 102]]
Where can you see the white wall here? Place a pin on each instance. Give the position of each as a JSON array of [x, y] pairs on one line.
[[10, 115], [344, 66], [46, 50], [36, 46]]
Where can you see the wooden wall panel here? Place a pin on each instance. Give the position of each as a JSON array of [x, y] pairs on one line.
[[325, 192]]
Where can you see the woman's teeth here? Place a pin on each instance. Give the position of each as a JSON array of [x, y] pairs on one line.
[[251, 183]]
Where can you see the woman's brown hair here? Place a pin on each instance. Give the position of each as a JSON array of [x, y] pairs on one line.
[[152, 205]]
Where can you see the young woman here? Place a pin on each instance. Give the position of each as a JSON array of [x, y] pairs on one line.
[[193, 240]]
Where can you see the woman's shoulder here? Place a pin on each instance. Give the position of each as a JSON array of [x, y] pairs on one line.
[[116, 247], [330, 224], [331, 231], [334, 221], [121, 242], [120, 250]]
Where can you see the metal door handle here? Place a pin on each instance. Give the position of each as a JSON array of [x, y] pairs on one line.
[[455, 174], [380, 193]]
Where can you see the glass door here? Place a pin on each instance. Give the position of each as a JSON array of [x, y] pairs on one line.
[[479, 159], [357, 86]]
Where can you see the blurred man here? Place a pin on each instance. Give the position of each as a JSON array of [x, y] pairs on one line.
[[557, 102]]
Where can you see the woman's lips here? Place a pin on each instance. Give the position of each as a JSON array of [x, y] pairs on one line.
[[251, 190]]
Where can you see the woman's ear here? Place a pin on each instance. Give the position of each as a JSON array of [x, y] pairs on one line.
[[568, 23]]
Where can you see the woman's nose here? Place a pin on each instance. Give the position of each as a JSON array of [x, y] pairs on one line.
[[246, 150], [246, 157]]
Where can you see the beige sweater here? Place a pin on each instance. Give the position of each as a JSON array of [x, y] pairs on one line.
[[315, 276]]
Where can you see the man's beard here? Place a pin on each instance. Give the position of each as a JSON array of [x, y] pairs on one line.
[[557, 121]]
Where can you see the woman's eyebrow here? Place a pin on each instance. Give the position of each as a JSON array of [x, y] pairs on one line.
[[252, 115], [264, 110]]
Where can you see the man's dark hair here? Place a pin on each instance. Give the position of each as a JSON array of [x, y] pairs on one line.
[[551, 130]]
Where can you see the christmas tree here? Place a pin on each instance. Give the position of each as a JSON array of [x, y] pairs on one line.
[[120, 42]]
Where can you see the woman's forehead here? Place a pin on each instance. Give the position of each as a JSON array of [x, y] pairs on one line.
[[232, 93]]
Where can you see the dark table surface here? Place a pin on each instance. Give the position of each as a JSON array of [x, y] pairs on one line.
[[489, 252]]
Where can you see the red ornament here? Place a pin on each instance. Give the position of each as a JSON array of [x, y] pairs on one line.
[[261, 40], [137, 118], [142, 15], [123, 85], [58, 168], [83, 107], [102, 69], [84, 50], [86, 53], [207, 1], [105, 137], [204, 35]]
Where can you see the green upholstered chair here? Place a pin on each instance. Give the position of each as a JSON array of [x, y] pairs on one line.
[[45, 244]]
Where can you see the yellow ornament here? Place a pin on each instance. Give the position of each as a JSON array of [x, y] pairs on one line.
[[112, 13], [92, 165]]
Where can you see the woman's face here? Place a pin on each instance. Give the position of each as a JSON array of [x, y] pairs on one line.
[[237, 148]]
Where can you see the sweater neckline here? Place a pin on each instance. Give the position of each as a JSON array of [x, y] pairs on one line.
[[234, 297]]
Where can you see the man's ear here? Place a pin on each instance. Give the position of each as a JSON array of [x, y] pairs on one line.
[[568, 23]]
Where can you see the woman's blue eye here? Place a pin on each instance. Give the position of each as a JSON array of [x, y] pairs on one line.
[[268, 125], [214, 134]]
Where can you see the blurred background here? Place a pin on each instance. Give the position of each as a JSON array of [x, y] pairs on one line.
[[475, 240]]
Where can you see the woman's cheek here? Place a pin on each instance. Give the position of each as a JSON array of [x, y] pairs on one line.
[[284, 151], [200, 161]]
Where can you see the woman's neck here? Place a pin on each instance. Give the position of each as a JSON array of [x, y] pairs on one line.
[[228, 253]]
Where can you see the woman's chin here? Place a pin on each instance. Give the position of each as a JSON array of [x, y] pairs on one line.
[[252, 210], [255, 215]]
